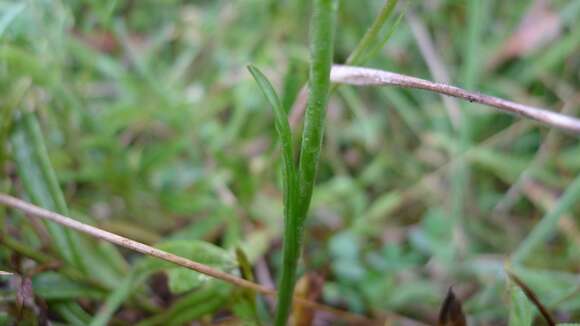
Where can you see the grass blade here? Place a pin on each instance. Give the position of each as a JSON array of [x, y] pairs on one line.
[[368, 44], [291, 229], [283, 129], [384, 39]]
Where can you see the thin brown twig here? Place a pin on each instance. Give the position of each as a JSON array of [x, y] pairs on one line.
[[39, 212], [533, 298], [128, 243], [366, 76]]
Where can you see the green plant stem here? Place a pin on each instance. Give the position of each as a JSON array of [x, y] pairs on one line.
[[290, 255], [298, 187], [323, 21], [321, 48]]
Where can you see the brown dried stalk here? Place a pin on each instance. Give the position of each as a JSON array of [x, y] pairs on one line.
[[365, 76], [39, 212]]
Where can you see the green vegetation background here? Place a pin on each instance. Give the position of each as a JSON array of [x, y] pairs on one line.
[[141, 118]]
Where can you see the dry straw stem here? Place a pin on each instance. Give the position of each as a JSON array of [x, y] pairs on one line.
[[366, 76], [68, 222]]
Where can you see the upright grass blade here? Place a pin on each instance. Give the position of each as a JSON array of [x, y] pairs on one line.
[[285, 135], [368, 44], [292, 229], [386, 35], [375, 38], [548, 223]]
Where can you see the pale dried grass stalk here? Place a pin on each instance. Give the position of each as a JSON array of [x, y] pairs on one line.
[[68, 222], [368, 77]]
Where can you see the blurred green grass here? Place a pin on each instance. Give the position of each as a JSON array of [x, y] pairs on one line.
[[155, 130]]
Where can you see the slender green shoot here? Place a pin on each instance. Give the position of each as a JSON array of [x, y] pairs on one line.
[[321, 49], [284, 133], [375, 38], [368, 44], [292, 225], [384, 39], [298, 184], [292, 229]]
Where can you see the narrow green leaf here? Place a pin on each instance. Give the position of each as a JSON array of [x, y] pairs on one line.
[[383, 39], [367, 44], [284, 132]]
